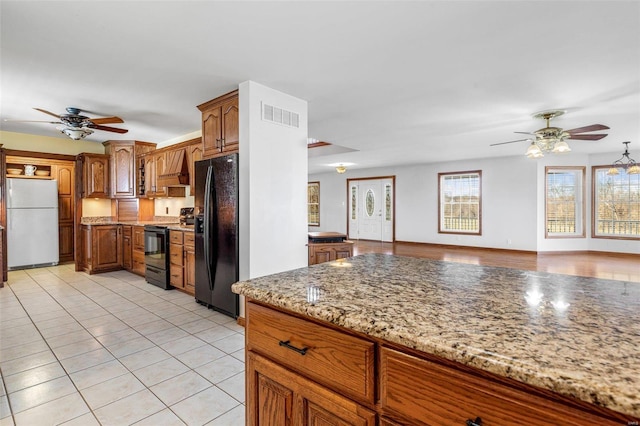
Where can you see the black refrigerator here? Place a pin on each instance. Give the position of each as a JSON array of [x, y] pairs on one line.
[[216, 233]]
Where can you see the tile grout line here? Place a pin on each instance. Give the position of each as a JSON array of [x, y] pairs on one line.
[[132, 299]]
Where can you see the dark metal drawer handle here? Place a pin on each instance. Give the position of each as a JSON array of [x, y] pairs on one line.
[[288, 345], [476, 422]]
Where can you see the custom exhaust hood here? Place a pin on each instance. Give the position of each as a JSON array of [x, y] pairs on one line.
[[177, 170]]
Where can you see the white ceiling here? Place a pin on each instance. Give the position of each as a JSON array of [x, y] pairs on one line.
[[398, 82]]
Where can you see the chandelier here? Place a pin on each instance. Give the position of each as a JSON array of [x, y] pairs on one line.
[[550, 139], [625, 162]]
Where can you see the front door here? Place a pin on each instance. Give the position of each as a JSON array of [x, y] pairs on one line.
[[371, 209]]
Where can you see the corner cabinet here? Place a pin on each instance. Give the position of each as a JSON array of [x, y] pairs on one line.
[[101, 249], [95, 175], [220, 125]]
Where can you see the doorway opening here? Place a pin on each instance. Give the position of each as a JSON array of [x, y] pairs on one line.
[[371, 208]]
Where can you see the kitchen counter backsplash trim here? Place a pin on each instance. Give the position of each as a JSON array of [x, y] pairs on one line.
[[576, 336]]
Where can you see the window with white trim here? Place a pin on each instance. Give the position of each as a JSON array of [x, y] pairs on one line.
[[564, 204], [460, 203], [616, 204]]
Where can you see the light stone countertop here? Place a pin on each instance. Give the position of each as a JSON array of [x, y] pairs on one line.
[[573, 335]]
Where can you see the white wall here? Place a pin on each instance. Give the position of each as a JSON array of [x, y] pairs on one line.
[[273, 176], [513, 202]]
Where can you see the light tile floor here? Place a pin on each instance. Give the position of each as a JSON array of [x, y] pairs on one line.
[[111, 349]]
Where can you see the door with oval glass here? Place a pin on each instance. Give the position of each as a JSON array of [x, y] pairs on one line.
[[371, 209]]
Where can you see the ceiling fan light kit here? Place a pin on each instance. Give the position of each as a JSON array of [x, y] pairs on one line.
[[341, 169], [552, 139], [75, 133], [78, 126], [625, 162]]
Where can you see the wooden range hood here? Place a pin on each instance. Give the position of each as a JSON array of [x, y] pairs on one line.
[[177, 170]]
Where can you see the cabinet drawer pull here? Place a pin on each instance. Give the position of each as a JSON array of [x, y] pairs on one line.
[[293, 348], [476, 422]]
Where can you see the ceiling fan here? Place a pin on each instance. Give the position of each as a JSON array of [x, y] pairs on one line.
[[77, 126], [552, 139]]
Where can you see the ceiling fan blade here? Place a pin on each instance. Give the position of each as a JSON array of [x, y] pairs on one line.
[[106, 120], [108, 128], [595, 137], [504, 143], [32, 121], [47, 112], [525, 133], [591, 128]]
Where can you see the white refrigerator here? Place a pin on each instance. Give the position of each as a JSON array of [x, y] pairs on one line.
[[32, 223]]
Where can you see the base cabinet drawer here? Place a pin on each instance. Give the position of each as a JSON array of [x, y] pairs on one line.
[[278, 396], [138, 263], [175, 276], [327, 356], [420, 392]]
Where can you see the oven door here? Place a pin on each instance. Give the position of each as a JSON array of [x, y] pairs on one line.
[[156, 242]]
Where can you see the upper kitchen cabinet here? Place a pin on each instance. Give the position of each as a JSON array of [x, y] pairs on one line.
[[194, 153], [95, 175], [151, 165], [220, 125], [122, 156]]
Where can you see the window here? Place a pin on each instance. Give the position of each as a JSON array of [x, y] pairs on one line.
[[460, 203], [313, 203], [564, 207], [616, 204]]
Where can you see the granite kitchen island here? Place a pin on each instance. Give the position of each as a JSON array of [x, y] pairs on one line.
[[571, 339]]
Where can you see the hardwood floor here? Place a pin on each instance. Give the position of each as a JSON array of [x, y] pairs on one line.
[[613, 266]]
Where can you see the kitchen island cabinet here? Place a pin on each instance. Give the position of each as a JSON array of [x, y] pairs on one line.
[[454, 342]]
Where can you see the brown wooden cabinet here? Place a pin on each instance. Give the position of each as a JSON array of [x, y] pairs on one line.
[[194, 153], [420, 391], [153, 165], [159, 164], [303, 371], [182, 260], [138, 251], [220, 125], [189, 263], [277, 396], [102, 248], [95, 175], [64, 174], [325, 252], [127, 247], [123, 165], [176, 269], [299, 372]]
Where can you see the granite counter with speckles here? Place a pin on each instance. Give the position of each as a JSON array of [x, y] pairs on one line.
[[575, 336]]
